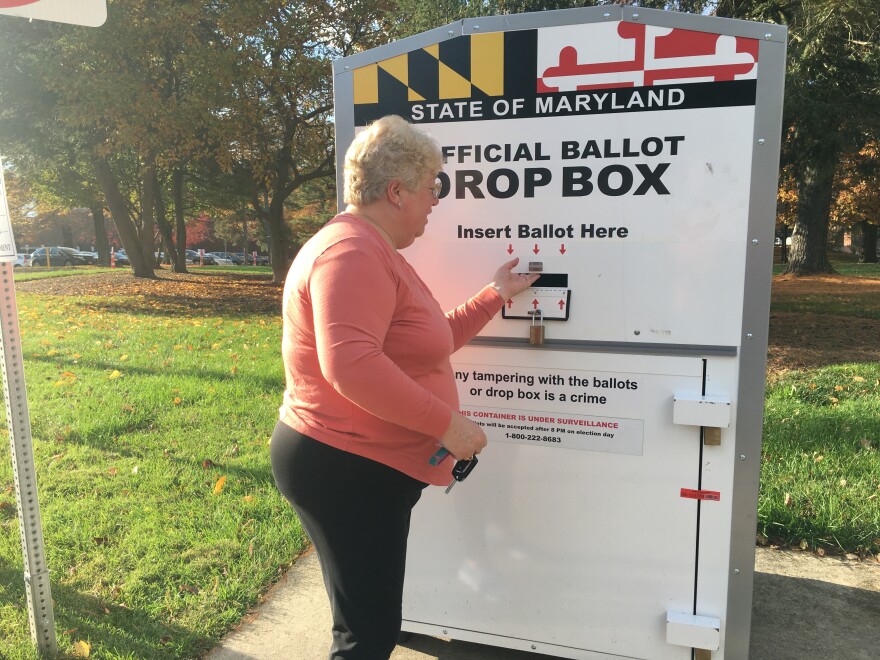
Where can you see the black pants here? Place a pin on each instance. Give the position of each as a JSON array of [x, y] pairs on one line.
[[357, 513]]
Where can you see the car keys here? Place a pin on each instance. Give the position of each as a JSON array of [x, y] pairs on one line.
[[461, 470]]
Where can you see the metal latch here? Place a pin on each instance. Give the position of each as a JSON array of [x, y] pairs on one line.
[[710, 412]]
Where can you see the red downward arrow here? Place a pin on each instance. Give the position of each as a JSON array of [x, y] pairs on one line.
[[509, 249], [536, 250], [535, 303], [562, 249], [561, 304]]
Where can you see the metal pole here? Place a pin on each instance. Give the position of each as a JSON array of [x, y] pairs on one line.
[[36, 572]]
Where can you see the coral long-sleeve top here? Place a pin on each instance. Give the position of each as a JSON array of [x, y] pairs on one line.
[[366, 350]]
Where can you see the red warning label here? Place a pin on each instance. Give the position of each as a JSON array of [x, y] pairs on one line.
[[712, 495]]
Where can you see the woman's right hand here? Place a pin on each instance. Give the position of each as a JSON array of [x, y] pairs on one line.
[[464, 438]]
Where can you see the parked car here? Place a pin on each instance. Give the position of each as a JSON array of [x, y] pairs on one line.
[[248, 259], [206, 260], [219, 258], [235, 259], [22, 259], [121, 258], [61, 256]]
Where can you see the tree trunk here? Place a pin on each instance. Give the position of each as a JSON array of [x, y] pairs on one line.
[[128, 233], [278, 236], [869, 242], [148, 207], [164, 226], [179, 219], [101, 242], [809, 240]]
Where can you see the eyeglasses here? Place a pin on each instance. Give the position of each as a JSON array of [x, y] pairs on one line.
[[436, 189]]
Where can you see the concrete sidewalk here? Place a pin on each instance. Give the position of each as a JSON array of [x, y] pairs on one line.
[[804, 608]]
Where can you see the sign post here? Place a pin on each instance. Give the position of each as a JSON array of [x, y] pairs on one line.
[[36, 572], [630, 156]]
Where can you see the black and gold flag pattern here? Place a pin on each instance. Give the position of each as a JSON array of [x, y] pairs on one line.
[[470, 67]]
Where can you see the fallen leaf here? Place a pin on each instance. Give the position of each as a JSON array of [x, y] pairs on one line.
[[207, 464], [248, 498], [820, 552], [858, 379], [113, 471], [851, 556], [134, 470], [82, 649], [803, 544], [788, 500], [189, 588], [114, 374], [218, 487], [165, 639], [177, 401], [838, 388], [843, 482]]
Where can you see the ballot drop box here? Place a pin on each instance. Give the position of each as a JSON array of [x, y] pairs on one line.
[[630, 157]]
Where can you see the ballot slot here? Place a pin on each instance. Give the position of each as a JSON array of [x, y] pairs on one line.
[[549, 294]]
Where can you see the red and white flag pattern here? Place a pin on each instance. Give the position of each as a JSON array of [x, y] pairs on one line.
[[607, 55]]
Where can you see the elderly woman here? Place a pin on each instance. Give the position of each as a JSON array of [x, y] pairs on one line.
[[370, 393]]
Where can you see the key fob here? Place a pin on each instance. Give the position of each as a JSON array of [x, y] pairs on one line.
[[463, 468]]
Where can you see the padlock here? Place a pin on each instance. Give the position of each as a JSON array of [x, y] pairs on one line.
[[536, 332]]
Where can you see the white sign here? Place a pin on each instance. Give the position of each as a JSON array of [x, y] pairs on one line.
[[7, 242], [78, 12]]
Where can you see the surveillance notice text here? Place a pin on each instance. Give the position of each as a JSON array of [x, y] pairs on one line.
[[530, 407]]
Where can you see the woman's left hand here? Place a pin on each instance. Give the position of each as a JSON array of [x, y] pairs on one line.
[[508, 284]]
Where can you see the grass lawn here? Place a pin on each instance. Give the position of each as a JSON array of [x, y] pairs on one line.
[[151, 428], [820, 477], [152, 406]]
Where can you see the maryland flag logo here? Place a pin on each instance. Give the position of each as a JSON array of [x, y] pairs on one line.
[[547, 71]]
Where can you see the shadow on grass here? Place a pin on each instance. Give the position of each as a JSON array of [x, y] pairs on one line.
[[264, 383], [187, 306], [111, 629]]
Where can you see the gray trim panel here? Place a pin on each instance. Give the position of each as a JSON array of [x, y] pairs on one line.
[[587, 346]]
